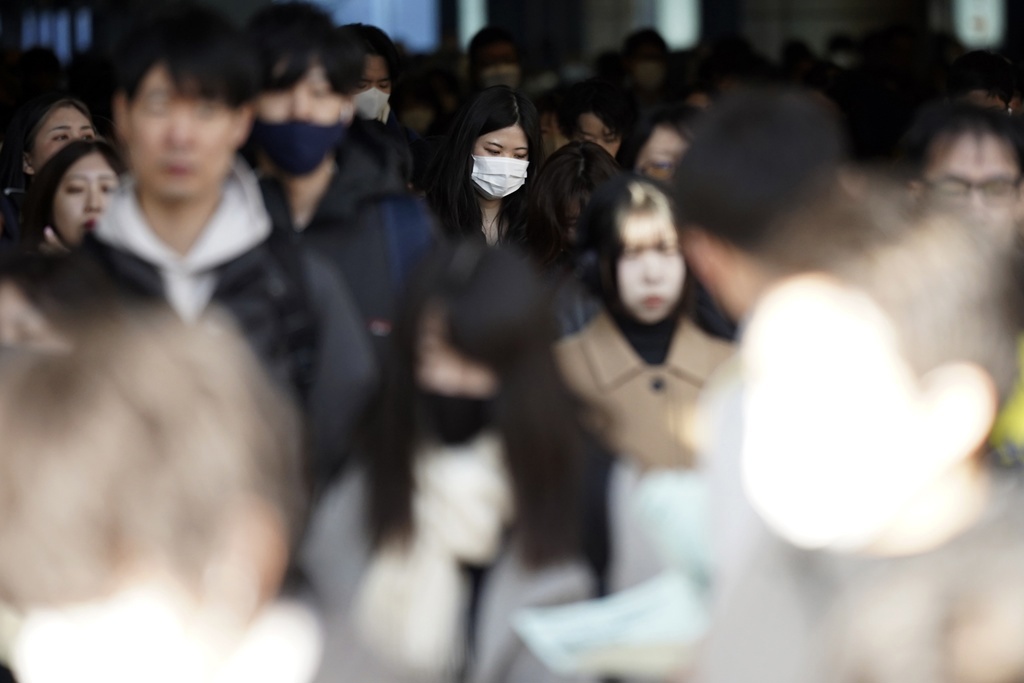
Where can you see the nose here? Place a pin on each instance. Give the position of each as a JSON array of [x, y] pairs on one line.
[[651, 265], [181, 131], [301, 106], [94, 199]]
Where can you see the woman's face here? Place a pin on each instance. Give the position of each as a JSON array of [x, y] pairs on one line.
[[661, 153], [82, 196], [505, 142], [650, 272], [59, 127], [375, 74]]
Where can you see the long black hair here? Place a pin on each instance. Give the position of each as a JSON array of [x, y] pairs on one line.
[[451, 192], [496, 311]]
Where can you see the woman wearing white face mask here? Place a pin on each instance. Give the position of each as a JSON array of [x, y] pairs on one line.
[[480, 179]]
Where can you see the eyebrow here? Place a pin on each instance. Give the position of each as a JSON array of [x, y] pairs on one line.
[[498, 144]]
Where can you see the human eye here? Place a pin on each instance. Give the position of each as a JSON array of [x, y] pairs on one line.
[[384, 85], [999, 188], [74, 188]]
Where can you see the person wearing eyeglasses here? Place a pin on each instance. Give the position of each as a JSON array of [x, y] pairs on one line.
[[969, 157]]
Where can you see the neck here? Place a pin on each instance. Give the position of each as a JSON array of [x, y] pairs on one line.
[[178, 224], [489, 210], [305, 192], [950, 506]]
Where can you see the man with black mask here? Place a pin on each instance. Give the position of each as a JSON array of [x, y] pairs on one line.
[[326, 175]]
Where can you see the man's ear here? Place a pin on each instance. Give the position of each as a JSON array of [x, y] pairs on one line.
[[705, 256], [243, 124]]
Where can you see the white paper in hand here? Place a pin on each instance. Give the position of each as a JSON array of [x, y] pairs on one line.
[[649, 630]]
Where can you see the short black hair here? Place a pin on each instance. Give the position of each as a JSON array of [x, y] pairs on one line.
[[488, 35], [981, 70], [755, 156], [645, 36], [291, 37], [945, 120], [678, 117], [378, 43], [204, 53], [605, 100]]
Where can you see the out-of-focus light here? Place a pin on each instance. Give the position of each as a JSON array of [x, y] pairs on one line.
[[980, 23], [839, 433], [678, 21], [472, 18]]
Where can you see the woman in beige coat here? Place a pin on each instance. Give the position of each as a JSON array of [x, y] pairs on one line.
[[642, 360]]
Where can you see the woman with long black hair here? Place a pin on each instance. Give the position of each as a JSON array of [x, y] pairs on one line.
[[480, 178], [478, 492]]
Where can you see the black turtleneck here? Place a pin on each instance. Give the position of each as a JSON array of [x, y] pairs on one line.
[[651, 342]]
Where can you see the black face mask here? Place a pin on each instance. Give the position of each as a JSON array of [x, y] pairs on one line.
[[456, 419]]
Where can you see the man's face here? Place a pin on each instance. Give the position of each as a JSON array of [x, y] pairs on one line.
[[979, 174], [311, 99], [181, 147]]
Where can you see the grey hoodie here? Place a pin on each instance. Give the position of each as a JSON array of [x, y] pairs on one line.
[[239, 224]]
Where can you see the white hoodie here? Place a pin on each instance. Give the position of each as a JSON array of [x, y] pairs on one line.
[[239, 223]]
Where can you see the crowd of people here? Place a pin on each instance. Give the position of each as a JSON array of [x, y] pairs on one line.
[[313, 370]]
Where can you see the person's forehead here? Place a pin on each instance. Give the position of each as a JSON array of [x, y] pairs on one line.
[[972, 154], [591, 123]]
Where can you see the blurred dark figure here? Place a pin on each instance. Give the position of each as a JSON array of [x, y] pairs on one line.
[[91, 79], [39, 71], [598, 111], [983, 79], [610, 67], [879, 98], [547, 106], [659, 141], [494, 59], [797, 60], [645, 57], [732, 63]]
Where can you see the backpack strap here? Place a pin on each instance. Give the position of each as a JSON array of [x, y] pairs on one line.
[[409, 234]]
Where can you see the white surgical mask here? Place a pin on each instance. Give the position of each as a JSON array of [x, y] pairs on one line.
[[501, 74], [370, 104], [497, 177]]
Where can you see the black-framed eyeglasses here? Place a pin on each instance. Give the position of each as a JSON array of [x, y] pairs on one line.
[[993, 189]]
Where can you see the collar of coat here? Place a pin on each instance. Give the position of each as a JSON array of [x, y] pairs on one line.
[[615, 361]]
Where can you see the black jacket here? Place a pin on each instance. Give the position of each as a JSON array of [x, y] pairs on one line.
[[300, 321], [367, 225]]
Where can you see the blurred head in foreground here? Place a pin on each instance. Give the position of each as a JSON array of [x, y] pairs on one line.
[[162, 467], [757, 156], [874, 382]]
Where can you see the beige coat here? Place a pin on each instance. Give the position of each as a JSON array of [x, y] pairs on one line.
[[649, 407]]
